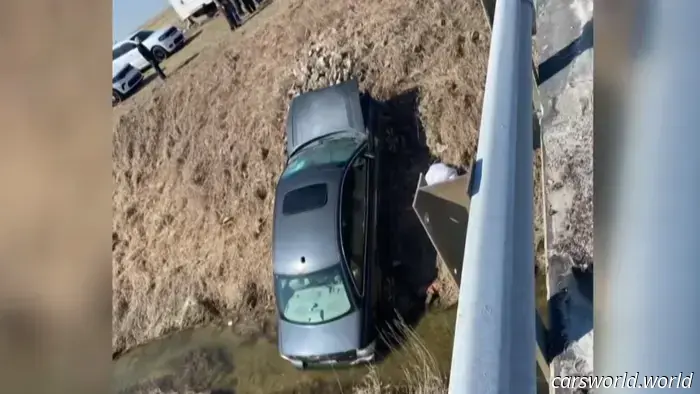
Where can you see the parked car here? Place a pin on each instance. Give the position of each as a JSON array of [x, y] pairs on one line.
[[162, 42], [124, 80], [327, 276]]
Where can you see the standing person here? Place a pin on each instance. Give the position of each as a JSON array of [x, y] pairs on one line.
[[233, 12], [253, 4], [240, 6], [148, 55], [191, 22], [249, 6], [230, 13], [256, 3]]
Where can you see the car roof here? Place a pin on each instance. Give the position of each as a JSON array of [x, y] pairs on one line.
[[120, 43], [311, 234], [135, 32], [128, 37]]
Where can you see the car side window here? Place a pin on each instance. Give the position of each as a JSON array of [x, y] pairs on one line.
[[142, 35], [122, 50], [118, 52], [353, 219]]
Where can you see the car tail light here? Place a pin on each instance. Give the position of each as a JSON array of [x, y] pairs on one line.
[[296, 362], [367, 351]]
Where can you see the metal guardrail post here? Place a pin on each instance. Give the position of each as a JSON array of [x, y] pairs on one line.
[[494, 345]]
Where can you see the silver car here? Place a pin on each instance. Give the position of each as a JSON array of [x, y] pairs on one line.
[[325, 250]]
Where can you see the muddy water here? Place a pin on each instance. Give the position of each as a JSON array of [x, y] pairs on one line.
[[219, 358], [228, 361]]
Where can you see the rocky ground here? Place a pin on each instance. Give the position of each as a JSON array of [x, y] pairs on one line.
[[564, 44]]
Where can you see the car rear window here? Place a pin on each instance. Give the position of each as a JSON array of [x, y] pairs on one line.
[[305, 198]]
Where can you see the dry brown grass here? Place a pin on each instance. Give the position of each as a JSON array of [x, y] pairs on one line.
[[195, 164], [421, 372]]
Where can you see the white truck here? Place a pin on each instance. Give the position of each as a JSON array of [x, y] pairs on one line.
[[189, 9]]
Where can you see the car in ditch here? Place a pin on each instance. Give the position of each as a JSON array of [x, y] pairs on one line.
[[326, 240]]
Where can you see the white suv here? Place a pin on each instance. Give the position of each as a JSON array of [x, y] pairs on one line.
[[124, 81], [162, 42]]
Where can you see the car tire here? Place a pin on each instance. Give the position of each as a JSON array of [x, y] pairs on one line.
[[117, 97], [159, 53]]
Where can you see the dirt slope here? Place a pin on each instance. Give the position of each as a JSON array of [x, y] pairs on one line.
[[195, 164]]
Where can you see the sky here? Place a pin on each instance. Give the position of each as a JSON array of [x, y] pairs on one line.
[[128, 15]]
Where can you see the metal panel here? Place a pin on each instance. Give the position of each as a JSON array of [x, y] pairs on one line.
[[443, 211]]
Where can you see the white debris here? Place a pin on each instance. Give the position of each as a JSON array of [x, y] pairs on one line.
[[439, 172]]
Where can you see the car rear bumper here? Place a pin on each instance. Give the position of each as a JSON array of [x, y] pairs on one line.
[[354, 357]]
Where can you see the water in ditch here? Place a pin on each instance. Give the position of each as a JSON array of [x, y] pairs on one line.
[[225, 360], [219, 358]]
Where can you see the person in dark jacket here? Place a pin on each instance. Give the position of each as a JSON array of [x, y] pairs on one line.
[[247, 5], [233, 12], [252, 5], [256, 3], [238, 6], [230, 13], [148, 55]]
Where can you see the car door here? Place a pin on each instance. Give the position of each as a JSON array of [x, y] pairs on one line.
[[120, 57], [354, 221], [377, 245], [358, 234], [371, 197], [135, 58]]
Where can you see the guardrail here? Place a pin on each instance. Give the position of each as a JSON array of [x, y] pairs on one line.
[[494, 346]]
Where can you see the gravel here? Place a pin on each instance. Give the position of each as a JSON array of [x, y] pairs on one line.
[[322, 64]]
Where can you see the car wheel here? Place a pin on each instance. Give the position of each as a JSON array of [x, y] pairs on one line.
[[117, 97], [159, 53]]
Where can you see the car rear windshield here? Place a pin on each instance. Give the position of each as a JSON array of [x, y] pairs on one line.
[[334, 149], [304, 199], [315, 298]]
